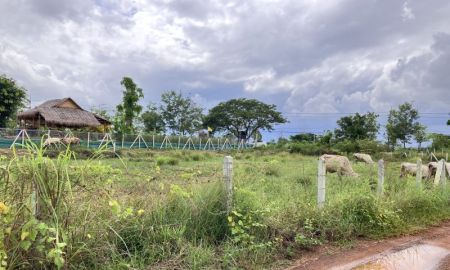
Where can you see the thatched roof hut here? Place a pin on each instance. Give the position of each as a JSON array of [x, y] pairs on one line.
[[60, 113]]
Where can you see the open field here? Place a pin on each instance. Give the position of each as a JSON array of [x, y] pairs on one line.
[[167, 210]]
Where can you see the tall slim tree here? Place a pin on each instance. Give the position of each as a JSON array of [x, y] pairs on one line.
[[12, 99], [180, 114], [420, 135], [243, 117], [357, 127], [402, 124], [129, 109]]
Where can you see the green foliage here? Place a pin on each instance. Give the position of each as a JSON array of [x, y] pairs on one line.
[[357, 127], [273, 168], [307, 238], [306, 137], [420, 134], [143, 216], [180, 114], [440, 141], [129, 109], [12, 99], [153, 120], [310, 149], [326, 139], [167, 161], [247, 229], [364, 146], [248, 115], [402, 124]]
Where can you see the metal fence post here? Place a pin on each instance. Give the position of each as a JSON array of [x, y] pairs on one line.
[[419, 173], [228, 179], [88, 139], [321, 183], [380, 189]]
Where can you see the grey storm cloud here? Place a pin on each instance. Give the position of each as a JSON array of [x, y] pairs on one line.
[[303, 55]]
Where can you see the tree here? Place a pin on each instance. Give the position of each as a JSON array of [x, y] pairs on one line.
[[153, 120], [304, 137], [129, 109], [12, 99], [448, 122], [357, 127], [402, 124], [420, 135], [180, 114], [440, 141], [243, 116]]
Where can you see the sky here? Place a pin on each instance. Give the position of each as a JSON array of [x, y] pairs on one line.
[[316, 60]]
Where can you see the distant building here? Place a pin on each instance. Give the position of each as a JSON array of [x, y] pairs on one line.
[[61, 113]]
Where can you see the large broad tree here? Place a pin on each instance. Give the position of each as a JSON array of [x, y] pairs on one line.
[[357, 127], [402, 124], [180, 114], [129, 109], [12, 99], [153, 120], [243, 117]]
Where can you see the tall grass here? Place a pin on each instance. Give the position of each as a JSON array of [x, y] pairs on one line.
[[99, 214]]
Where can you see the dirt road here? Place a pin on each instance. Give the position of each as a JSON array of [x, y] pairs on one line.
[[428, 249]]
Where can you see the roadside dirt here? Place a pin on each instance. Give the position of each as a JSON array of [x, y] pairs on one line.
[[332, 257]]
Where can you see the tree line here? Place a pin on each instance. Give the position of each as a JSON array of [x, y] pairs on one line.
[[242, 118], [402, 126]]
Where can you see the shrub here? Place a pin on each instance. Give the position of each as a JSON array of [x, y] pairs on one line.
[[167, 161], [311, 149], [273, 168], [197, 157]]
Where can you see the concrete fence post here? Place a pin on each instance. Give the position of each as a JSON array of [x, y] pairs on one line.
[[321, 183], [228, 180], [419, 173], [88, 139], [380, 188], [440, 173]]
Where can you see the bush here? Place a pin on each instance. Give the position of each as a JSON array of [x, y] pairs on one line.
[[347, 146], [273, 168], [364, 146], [167, 161], [440, 141], [310, 149]]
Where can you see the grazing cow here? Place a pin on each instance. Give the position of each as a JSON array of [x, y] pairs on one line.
[[71, 140], [432, 168], [52, 142], [363, 157], [408, 168], [339, 164]]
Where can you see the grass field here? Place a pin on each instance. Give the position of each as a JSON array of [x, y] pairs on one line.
[[167, 210]]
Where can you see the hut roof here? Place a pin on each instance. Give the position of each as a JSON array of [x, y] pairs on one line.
[[62, 112]]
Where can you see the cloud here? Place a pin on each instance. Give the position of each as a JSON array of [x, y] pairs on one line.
[[303, 55]]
